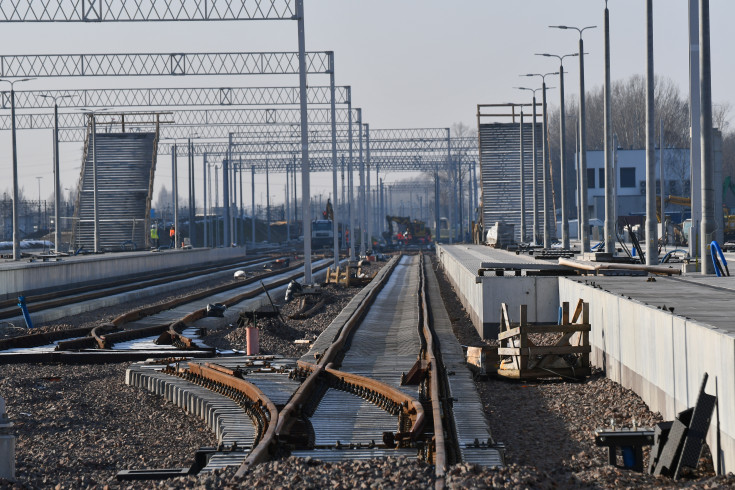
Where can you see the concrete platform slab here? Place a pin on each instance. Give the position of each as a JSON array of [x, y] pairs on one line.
[[482, 295], [26, 278]]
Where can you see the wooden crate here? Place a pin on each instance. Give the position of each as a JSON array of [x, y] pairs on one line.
[[568, 357]]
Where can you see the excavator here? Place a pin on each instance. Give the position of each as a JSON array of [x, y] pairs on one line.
[[408, 232]]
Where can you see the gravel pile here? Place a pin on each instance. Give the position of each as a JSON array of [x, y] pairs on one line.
[[79, 425]]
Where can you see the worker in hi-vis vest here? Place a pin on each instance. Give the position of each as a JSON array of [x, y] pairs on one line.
[[154, 235]]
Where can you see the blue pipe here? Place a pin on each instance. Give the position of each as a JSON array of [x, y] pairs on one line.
[[715, 249], [24, 309], [666, 257]]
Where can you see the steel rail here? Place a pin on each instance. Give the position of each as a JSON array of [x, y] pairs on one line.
[[440, 446], [261, 451], [307, 387], [169, 331]]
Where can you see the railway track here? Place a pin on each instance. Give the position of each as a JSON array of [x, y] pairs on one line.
[[386, 378], [151, 331]]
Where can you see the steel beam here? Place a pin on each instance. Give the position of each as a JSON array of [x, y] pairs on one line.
[[162, 64], [144, 10], [173, 96]]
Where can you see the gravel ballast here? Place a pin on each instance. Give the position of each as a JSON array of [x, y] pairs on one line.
[[85, 424]]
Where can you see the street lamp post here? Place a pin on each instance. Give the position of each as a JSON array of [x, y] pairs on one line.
[[610, 225], [57, 197], [16, 232], [534, 167], [583, 212], [562, 148], [544, 153]]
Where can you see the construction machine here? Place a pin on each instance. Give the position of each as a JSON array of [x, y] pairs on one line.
[[322, 232], [408, 232]]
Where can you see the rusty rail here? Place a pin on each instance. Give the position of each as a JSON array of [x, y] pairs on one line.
[[102, 337], [220, 375], [411, 407], [440, 444]]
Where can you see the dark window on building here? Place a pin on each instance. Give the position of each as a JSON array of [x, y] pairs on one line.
[[627, 177], [601, 180], [590, 178]]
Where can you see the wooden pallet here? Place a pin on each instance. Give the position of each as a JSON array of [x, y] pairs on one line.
[[522, 359], [347, 276]]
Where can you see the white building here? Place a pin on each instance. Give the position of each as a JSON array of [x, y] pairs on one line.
[[631, 181]]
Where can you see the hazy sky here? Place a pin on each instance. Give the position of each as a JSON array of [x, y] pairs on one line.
[[411, 63]]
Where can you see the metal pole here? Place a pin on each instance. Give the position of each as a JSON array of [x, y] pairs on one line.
[[583, 215], [544, 166], [288, 206], [449, 177], [437, 211], [333, 117], [343, 202], [361, 197], [695, 114], [175, 186], [252, 203], [305, 182], [369, 198], [16, 227], [95, 203], [57, 185], [562, 151], [205, 240], [267, 201], [241, 213], [651, 231], [215, 226], [707, 159], [523, 184], [534, 178], [460, 198], [227, 241], [192, 213], [610, 225], [350, 179], [661, 180]]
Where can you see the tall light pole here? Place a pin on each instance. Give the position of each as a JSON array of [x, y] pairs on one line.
[[16, 232], [707, 233], [38, 179], [610, 225], [534, 167], [651, 224], [583, 212], [544, 154], [562, 148], [57, 197]]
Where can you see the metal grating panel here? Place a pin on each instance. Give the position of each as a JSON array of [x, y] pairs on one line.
[[500, 171], [125, 167]]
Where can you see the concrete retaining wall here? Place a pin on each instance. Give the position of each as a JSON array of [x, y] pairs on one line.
[[27, 278], [482, 296], [662, 357]]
